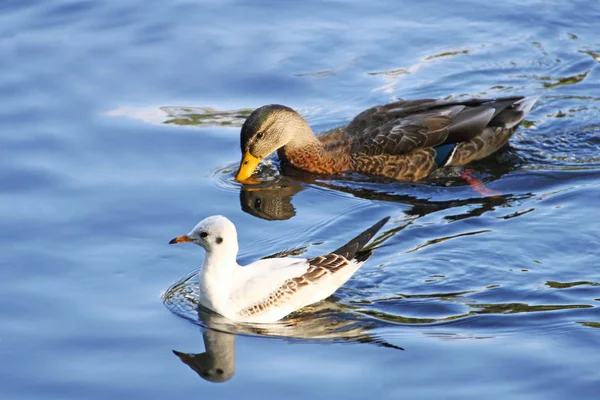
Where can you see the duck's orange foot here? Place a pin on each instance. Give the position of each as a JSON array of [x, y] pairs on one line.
[[478, 185]]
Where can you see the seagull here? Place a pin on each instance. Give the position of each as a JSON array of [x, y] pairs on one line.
[[269, 289]]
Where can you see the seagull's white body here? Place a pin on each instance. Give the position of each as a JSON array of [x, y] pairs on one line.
[[268, 289], [233, 290]]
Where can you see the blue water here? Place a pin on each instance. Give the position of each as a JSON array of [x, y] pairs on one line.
[[108, 151]]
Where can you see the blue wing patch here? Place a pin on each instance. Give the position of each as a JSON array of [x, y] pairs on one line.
[[443, 153]]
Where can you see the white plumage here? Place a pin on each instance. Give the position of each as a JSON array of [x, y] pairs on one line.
[[269, 289]]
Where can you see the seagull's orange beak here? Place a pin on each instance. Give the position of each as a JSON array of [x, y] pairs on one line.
[[180, 239]]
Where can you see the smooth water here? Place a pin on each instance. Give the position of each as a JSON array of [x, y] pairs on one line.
[[120, 130]]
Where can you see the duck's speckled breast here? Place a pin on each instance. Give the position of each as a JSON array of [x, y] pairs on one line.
[[330, 156]]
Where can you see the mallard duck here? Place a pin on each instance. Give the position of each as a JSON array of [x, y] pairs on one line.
[[405, 140]]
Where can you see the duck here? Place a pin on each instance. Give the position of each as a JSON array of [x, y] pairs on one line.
[[405, 140], [268, 289]]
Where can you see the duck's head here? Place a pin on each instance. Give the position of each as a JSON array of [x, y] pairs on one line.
[[266, 130], [215, 233]]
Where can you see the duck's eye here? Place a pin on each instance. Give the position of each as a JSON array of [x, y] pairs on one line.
[[260, 135], [203, 234]]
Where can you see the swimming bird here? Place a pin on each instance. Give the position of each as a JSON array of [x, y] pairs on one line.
[[405, 140], [271, 288]]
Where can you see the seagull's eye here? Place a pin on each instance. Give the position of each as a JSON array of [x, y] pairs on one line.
[[203, 234], [260, 135]]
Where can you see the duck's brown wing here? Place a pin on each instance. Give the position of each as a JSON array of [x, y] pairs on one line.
[[401, 127], [381, 130]]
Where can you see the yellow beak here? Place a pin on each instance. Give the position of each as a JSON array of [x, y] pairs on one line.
[[247, 167]]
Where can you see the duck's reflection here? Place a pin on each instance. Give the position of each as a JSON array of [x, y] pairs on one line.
[[326, 320], [272, 200]]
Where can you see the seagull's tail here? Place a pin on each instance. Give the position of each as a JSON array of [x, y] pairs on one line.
[[352, 249]]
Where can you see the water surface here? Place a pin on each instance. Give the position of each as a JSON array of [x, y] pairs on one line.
[[121, 130]]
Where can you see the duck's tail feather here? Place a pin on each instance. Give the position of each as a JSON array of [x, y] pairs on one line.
[[468, 122], [353, 249], [512, 116], [470, 118], [494, 136]]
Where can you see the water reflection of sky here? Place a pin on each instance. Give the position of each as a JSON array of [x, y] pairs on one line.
[[493, 297]]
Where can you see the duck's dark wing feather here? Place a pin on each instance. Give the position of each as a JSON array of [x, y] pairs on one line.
[[403, 135], [401, 127]]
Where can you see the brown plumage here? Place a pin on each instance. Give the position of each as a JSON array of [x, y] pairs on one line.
[[319, 267], [404, 140], [351, 255]]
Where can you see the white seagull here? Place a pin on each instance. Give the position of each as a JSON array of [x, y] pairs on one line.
[[271, 288]]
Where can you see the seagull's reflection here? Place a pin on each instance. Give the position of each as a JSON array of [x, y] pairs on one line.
[[217, 363], [326, 320]]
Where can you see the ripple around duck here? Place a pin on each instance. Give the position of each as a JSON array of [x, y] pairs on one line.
[[266, 176], [273, 198]]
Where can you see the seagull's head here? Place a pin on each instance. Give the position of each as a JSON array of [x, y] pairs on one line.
[[212, 233]]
